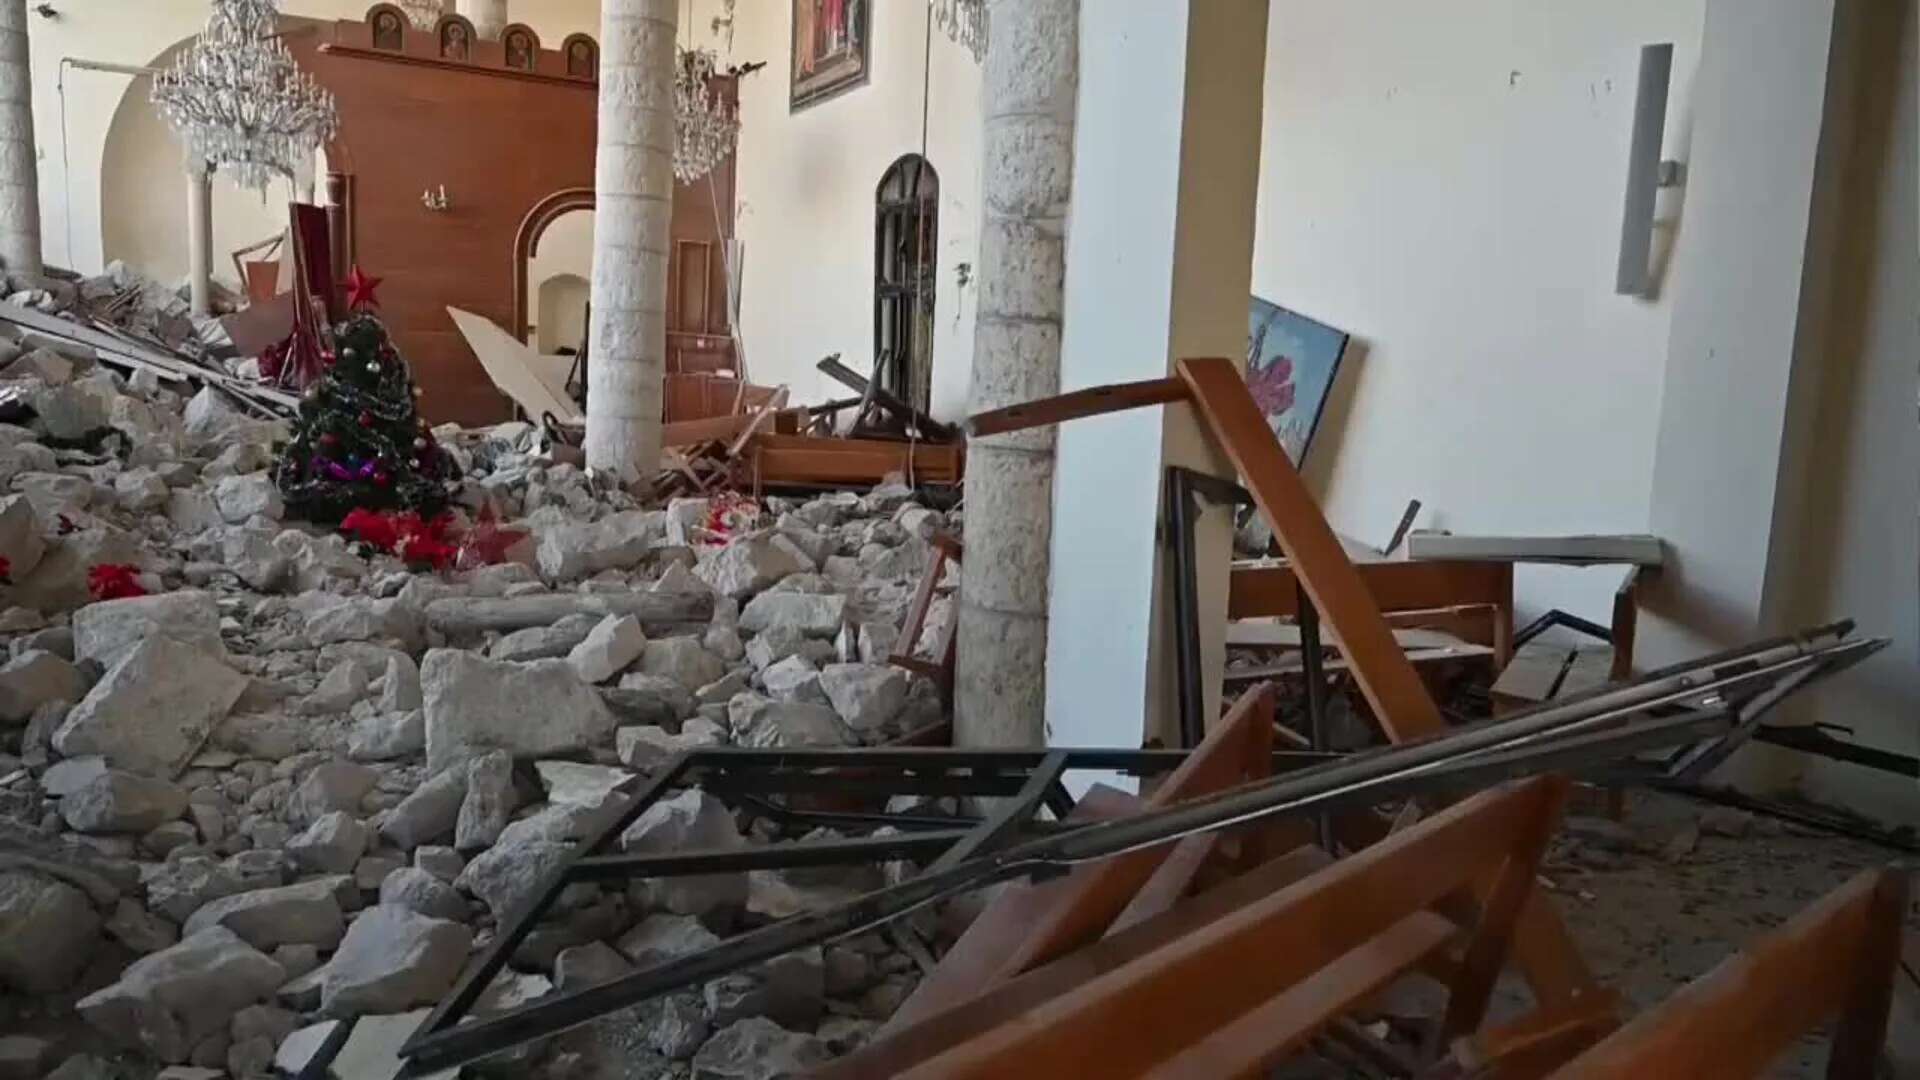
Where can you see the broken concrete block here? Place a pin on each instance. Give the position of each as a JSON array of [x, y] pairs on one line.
[[141, 490], [867, 696], [475, 705], [331, 845], [48, 932], [363, 619], [660, 938], [572, 550], [813, 614], [544, 642], [573, 782], [684, 660], [180, 886], [504, 875], [393, 959], [750, 564], [122, 802], [416, 890], [192, 511], [762, 724], [607, 650], [168, 1002], [34, 679], [758, 1049], [21, 543], [430, 812], [328, 787], [490, 801], [108, 630], [69, 413], [690, 821], [792, 679], [241, 498], [386, 736], [307, 913], [140, 930], [153, 709]]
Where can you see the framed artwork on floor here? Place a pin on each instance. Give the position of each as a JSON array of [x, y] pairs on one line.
[[1291, 363], [830, 49]]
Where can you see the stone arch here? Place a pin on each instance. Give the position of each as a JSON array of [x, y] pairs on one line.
[[561, 303], [142, 192], [526, 243]]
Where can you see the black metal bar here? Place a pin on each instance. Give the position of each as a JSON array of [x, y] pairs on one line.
[[1007, 816], [1807, 814], [1058, 801], [792, 781], [1311, 655], [1815, 740], [1186, 621], [721, 760], [840, 819], [1556, 617], [845, 852]]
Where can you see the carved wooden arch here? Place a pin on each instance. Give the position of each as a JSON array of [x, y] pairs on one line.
[[378, 10], [526, 34], [526, 243], [440, 36], [593, 55]]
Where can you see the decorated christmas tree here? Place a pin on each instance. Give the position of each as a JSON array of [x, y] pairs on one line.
[[359, 443]]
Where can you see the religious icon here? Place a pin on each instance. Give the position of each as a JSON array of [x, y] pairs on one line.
[[388, 32], [454, 43], [520, 50], [830, 49], [581, 59]]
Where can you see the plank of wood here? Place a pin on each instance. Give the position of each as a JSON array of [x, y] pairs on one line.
[[1079, 907], [1736, 1019], [893, 1051], [1253, 1044], [1076, 405], [1388, 681], [815, 466], [758, 420], [1121, 1022], [711, 429], [1386, 678], [859, 384], [1640, 550], [1269, 589]]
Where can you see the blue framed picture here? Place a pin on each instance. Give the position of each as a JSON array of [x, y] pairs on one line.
[[1291, 364]]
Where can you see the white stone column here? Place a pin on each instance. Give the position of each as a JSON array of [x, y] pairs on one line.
[[1031, 70], [200, 236], [634, 184], [1159, 267], [19, 161], [489, 17]]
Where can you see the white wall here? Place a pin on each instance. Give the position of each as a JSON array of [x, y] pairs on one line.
[[135, 32], [565, 255], [806, 191], [1445, 182], [1861, 555]]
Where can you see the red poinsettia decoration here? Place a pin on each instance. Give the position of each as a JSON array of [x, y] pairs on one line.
[[487, 542], [114, 581], [419, 541], [379, 531]]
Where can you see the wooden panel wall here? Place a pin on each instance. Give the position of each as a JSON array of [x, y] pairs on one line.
[[500, 140]]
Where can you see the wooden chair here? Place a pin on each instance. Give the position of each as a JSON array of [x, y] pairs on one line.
[[946, 549], [1240, 977], [1834, 960]]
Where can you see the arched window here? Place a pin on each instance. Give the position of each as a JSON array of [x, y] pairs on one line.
[[906, 235]]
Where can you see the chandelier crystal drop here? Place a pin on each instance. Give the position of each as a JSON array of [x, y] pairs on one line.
[[964, 22], [705, 127], [240, 102], [424, 14]]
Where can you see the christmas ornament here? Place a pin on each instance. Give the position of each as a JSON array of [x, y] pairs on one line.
[[360, 289], [366, 419]]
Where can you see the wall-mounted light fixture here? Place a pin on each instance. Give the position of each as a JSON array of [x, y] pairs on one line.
[[1646, 172], [435, 199]]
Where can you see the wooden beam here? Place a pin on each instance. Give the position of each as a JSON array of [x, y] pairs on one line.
[[1143, 1013], [1077, 909], [1092, 401], [1388, 681], [1736, 1020], [711, 429], [894, 1051], [1400, 701], [1257, 591], [853, 380]]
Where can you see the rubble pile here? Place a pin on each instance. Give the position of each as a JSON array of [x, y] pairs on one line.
[[298, 782], [125, 300]]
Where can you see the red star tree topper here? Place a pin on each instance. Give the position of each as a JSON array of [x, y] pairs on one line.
[[360, 289]]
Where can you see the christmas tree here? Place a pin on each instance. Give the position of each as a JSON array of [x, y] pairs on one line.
[[359, 444]]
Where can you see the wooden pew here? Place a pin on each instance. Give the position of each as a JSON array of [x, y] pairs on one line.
[[1834, 960], [1237, 993]]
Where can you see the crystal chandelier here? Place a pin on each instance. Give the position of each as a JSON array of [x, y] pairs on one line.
[[705, 128], [964, 22], [239, 100], [424, 14]]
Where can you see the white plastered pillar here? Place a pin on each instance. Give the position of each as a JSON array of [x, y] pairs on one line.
[[19, 160]]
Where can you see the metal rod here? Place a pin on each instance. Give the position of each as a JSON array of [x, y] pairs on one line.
[[1007, 816], [1186, 622], [1310, 672], [844, 852]]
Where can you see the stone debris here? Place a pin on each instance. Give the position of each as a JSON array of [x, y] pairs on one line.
[[298, 781]]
